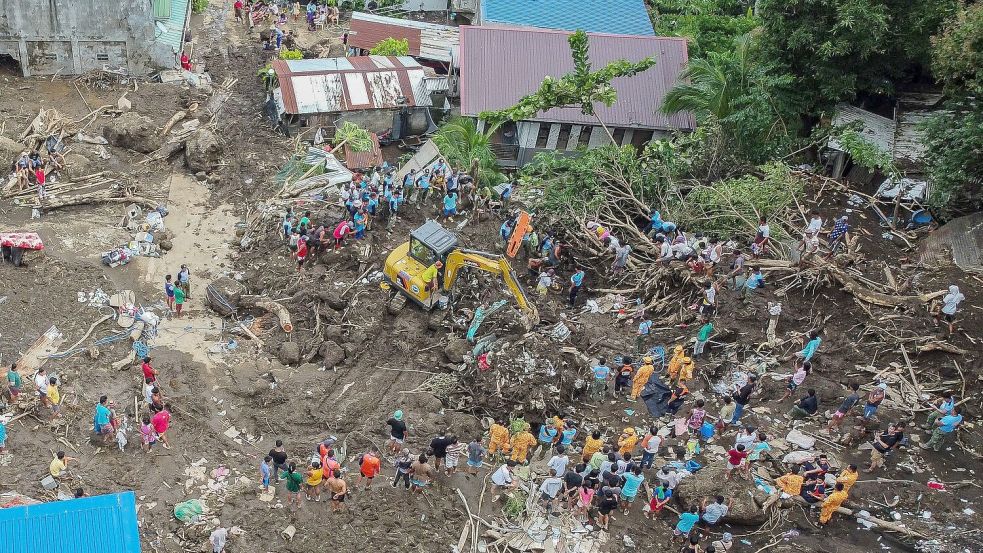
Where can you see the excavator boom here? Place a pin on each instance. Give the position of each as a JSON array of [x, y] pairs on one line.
[[494, 264]]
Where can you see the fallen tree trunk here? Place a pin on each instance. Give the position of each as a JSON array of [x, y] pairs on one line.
[[270, 306], [877, 522], [94, 198]]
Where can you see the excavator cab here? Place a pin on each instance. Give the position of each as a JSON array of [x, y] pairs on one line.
[[405, 265]]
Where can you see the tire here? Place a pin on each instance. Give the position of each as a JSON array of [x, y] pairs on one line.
[[396, 303]]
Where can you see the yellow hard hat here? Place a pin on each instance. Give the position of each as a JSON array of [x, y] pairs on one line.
[[647, 359], [679, 349]]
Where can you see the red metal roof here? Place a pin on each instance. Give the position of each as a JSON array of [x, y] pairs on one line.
[[500, 65], [367, 34], [364, 160]]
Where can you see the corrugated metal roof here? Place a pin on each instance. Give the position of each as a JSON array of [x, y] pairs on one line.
[[103, 523], [627, 17], [876, 129], [174, 25], [500, 65], [349, 84], [364, 160], [909, 139], [426, 40], [902, 138]]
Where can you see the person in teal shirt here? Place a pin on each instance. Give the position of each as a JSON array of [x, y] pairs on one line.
[[686, 522], [13, 381], [602, 373], [629, 490], [811, 346], [702, 338], [450, 206], [102, 421], [944, 427], [568, 434]]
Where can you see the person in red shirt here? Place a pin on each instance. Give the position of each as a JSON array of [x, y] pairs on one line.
[[369, 468], [735, 458], [185, 61], [161, 422], [149, 373], [238, 9], [301, 252]]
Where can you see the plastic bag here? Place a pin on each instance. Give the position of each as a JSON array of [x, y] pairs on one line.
[[707, 430], [189, 511]]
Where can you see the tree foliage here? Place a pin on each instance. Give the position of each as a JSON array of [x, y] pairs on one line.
[[583, 87], [462, 145], [357, 138], [710, 26], [958, 54], [391, 47]]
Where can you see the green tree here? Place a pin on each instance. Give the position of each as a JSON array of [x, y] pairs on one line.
[[462, 145], [710, 26], [958, 54], [583, 87], [354, 136], [391, 47]]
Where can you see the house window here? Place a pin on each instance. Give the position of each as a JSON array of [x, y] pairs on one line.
[[564, 137], [102, 57], [584, 136], [544, 135], [619, 136]]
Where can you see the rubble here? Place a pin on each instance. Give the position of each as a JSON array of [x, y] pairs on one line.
[[202, 151], [132, 131]]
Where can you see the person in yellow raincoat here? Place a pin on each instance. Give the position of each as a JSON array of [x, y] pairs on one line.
[[848, 477], [675, 363], [498, 438], [831, 503], [642, 377], [592, 445], [686, 369], [627, 441], [520, 446]]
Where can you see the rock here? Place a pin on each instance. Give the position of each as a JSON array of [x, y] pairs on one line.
[[709, 482], [76, 165], [333, 298], [123, 104], [224, 295], [133, 131], [456, 349], [332, 354], [202, 151], [333, 332], [351, 349], [800, 440], [10, 149], [289, 353], [165, 245]]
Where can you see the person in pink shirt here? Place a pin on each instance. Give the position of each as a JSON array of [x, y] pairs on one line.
[[339, 234]]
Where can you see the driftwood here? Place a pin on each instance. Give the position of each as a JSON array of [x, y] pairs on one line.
[[941, 346], [102, 196], [172, 121], [270, 306], [877, 522]]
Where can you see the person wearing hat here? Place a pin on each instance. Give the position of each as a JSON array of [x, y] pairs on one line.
[[686, 369], [724, 544], [397, 432], [429, 275], [627, 441], [675, 363], [642, 377]]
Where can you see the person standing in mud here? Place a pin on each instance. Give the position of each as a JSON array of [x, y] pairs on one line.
[[337, 489], [184, 281], [294, 480]]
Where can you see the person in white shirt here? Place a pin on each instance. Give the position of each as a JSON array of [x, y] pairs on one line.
[[41, 381], [558, 463], [950, 302], [815, 223], [650, 447], [502, 478], [550, 488]]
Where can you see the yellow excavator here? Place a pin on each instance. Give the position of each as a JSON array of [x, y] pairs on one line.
[[429, 244]]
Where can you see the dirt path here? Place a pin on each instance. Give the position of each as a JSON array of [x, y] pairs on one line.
[[201, 241]]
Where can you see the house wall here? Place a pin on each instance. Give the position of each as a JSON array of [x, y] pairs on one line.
[[566, 139], [68, 37]]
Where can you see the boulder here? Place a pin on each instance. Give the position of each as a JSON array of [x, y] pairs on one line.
[[202, 151], [133, 131], [709, 482], [332, 354], [289, 353], [224, 295], [456, 349], [10, 150], [333, 298]]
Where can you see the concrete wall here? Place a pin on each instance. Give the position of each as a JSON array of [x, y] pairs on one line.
[[68, 37]]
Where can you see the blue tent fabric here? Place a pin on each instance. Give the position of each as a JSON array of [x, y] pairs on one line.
[[620, 17], [98, 524]]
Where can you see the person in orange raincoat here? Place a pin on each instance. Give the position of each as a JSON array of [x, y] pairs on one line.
[[498, 438], [675, 363], [627, 441], [520, 446], [848, 477], [686, 368], [592, 445], [642, 377], [831, 503]]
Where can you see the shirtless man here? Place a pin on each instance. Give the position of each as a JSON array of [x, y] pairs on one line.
[[420, 474], [338, 489]]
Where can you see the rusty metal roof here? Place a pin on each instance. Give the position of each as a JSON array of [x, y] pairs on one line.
[[500, 65], [364, 160], [333, 85], [426, 40]]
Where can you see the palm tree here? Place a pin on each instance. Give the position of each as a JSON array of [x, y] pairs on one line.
[[460, 142], [708, 87]]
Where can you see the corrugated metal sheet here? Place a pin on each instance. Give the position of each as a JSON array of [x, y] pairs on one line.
[[333, 85], [909, 140], [364, 160], [627, 17], [500, 65], [368, 30], [959, 241], [104, 523], [876, 129], [902, 138], [174, 25]]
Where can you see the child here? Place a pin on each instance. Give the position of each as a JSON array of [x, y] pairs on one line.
[[796, 380], [454, 452], [696, 416], [735, 459], [148, 436], [149, 373], [265, 472], [169, 292], [726, 413], [660, 498]]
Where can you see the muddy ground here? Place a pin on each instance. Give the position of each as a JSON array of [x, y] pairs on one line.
[[230, 404]]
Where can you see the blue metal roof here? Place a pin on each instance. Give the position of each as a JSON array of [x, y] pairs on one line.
[[99, 524], [621, 17]]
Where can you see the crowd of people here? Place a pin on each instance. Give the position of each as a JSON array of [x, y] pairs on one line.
[[33, 169]]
